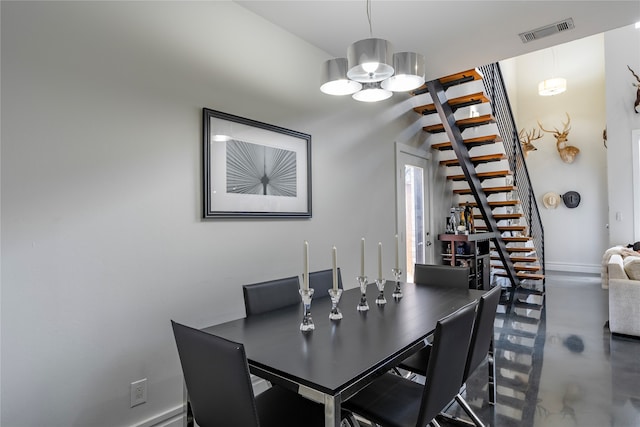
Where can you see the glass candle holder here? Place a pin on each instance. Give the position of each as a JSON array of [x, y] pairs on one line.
[[307, 322], [380, 300], [335, 295], [363, 305], [397, 292]]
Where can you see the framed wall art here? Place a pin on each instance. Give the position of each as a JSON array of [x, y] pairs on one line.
[[254, 169]]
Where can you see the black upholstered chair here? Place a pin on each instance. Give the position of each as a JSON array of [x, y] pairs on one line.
[[271, 295], [394, 401], [216, 375], [321, 281], [441, 275], [481, 346]]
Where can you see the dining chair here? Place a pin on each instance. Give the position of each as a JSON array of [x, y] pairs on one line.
[[216, 374], [394, 401], [321, 281], [271, 295], [480, 348], [441, 275]]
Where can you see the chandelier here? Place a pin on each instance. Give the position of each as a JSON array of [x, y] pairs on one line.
[[371, 72], [554, 85]]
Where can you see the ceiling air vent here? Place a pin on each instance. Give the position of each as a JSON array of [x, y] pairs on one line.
[[547, 30]]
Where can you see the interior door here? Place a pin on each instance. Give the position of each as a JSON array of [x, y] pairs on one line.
[[413, 200]]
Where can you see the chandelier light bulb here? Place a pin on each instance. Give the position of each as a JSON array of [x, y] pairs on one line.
[[370, 67]]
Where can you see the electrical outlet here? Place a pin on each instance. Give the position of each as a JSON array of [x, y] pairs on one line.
[[138, 392]]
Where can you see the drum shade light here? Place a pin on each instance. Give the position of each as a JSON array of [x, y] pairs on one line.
[[552, 87], [372, 68]]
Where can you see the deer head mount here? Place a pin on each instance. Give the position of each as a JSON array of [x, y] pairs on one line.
[[526, 138], [567, 152], [635, 105]]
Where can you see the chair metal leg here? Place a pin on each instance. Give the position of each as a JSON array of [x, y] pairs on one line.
[[450, 419], [434, 423], [350, 421], [465, 406], [492, 374]]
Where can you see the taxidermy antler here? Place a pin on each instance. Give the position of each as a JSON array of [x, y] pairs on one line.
[[526, 138], [567, 152], [635, 105]]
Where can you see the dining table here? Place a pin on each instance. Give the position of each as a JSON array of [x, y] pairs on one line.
[[340, 357]]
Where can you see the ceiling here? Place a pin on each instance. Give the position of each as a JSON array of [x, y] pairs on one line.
[[453, 35]]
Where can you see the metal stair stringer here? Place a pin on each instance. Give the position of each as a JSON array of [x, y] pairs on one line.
[[445, 112]]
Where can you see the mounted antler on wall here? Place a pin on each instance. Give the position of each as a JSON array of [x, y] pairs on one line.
[[567, 152], [526, 138], [635, 105]]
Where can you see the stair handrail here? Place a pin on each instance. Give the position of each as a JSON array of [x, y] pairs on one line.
[[501, 109]]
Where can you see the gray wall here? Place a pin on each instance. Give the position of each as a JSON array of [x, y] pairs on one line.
[[102, 242], [622, 49], [600, 94], [574, 238]]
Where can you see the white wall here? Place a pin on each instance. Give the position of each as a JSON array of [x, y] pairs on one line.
[[622, 49], [574, 238], [102, 242]]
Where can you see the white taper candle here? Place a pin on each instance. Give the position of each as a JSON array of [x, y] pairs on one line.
[[397, 253], [379, 260], [305, 274], [362, 258], [334, 254]]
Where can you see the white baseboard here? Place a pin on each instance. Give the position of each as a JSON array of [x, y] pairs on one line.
[[573, 268], [171, 418], [175, 417]]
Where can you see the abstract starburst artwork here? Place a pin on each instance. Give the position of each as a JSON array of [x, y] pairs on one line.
[[253, 169], [260, 170]]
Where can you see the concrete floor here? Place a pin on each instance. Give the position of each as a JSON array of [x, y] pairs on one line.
[[557, 363]]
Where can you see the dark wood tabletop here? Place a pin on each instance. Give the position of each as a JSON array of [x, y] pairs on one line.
[[340, 357]]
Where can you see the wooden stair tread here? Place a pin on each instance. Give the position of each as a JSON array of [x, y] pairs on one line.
[[468, 75], [529, 268], [462, 123], [477, 159], [470, 142], [452, 80], [510, 239], [481, 175], [517, 258], [504, 227], [493, 204], [454, 103], [500, 217], [517, 249], [522, 275], [520, 267], [487, 190]]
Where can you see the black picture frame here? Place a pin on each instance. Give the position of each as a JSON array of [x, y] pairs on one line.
[[253, 169]]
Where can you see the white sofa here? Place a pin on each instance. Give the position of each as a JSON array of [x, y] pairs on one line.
[[624, 294]]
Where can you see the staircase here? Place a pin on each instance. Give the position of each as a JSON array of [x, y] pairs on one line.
[[486, 169]]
